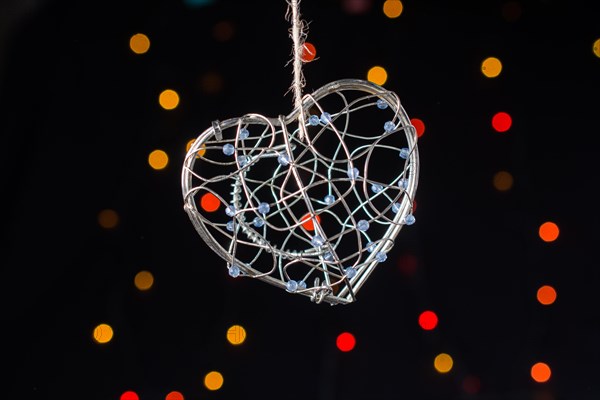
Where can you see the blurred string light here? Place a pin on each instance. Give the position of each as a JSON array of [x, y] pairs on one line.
[[428, 320], [443, 363], [501, 121], [158, 159], [541, 372], [546, 295], [309, 52], [129, 395], [419, 126], [143, 280], [491, 67], [596, 48], [345, 342], [168, 99], [393, 8], [213, 380], [511, 11], [502, 181], [378, 75], [103, 333], [236, 335], [357, 6], [174, 395], [139, 43], [108, 218], [548, 231]]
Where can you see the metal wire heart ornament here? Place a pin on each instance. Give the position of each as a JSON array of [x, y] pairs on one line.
[[311, 202]]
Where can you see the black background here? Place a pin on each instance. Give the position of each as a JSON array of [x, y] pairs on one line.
[[79, 116]]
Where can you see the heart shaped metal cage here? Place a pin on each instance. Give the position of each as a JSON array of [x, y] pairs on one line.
[[312, 215]]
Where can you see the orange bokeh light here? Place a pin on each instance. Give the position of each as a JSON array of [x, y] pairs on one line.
[[307, 222], [546, 295], [548, 231], [540, 372], [309, 52], [209, 202]]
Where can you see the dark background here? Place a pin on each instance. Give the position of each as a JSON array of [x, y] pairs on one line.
[[79, 116]]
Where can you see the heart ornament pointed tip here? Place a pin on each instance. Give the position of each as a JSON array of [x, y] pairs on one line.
[[311, 202]]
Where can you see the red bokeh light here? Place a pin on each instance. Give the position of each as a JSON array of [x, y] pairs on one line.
[[501, 121], [428, 320], [129, 395], [345, 341], [419, 126]]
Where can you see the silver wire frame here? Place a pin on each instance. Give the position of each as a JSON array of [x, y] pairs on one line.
[[291, 211]]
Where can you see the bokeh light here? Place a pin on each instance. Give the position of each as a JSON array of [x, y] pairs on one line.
[[158, 159], [501, 121], [211, 82], [201, 151], [491, 67], [103, 333], [392, 8], [307, 222], [174, 395], [139, 43], [223, 31], [168, 99], [236, 334], [428, 320], [377, 75], [596, 48], [407, 264], [129, 395], [503, 181], [209, 202], [471, 384], [198, 3], [540, 372], [548, 231], [108, 218], [357, 6], [213, 380], [443, 363], [345, 342], [143, 280], [546, 295], [309, 52], [419, 126]]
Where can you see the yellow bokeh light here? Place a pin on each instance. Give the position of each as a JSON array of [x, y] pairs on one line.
[[158, 159], [596, 48], [103, 333], [503, 181], [143, 280], [139, 43], [108, 219], [443, 363], [236, 334], [491, 67], [213, 380], [168, 99], [393, 8], [377, 75]]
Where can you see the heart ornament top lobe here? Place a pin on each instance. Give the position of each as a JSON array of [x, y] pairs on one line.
[[310, 202]]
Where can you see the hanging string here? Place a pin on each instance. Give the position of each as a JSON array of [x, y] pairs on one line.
[[298, 35]]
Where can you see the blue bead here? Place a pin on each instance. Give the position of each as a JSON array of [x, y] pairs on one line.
[[409, 219], [313, 120], [317, 241], [283, 159], [363, 225], [243, 160], [264, 208], [370, 247], [329, 199], [389, 126], [234, 271], [230, 226], [403, 183], [382, 104], [301, 285], [230, 210], [228, 149], [376, 188], [396, 207], [404, 153], [353, 173], [325, 117], [244, 133], [350, 272], [291, 286], [381, 256], [328, 256], [258, 222]]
